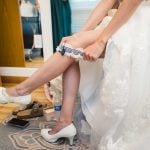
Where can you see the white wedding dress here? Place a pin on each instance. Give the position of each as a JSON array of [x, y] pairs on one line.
[[115, 93]]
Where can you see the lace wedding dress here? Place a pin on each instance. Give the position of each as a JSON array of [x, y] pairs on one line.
[[115, 93]]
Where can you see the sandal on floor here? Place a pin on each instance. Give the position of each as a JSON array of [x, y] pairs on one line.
[[29, 106], [36, 111]]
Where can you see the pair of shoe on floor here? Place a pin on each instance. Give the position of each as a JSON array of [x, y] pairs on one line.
[[67, 132], [32, 110]]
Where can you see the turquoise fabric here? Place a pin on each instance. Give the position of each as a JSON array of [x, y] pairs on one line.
[[61, 20]]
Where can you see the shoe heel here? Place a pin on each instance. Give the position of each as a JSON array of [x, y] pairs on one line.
[[71, 140]]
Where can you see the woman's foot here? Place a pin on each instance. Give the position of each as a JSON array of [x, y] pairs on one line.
[[59, 131], [6, 98], [59, 125]]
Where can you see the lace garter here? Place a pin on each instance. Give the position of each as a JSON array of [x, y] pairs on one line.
[[68, 50]]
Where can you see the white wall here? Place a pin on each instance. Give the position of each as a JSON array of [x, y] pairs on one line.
[[81, 9]]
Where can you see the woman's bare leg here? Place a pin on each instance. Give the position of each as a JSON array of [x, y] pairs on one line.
[[53, 67], [71, 78]]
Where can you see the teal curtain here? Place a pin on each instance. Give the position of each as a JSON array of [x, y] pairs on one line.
[[61, 20]]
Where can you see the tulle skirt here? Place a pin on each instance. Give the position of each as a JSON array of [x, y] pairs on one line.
[[115, 92]]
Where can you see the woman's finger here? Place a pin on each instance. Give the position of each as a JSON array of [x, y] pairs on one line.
[[85, 56], [64, 40], [93, 58], [89, 57]]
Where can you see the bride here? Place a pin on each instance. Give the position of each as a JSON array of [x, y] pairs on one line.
[[116, 102], [115, 95]]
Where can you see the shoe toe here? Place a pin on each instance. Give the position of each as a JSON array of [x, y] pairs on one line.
[[47, 137], [44, 133]]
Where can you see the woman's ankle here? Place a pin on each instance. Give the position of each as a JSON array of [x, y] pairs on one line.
[[22, 91], [11, 91], [59, 126], [65, 121], [16, 91]]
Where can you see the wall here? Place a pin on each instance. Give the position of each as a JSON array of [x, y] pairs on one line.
[[11, 40], [81, 10]]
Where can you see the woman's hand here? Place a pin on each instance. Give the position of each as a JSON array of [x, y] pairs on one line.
[[81, 39], [94, 51]]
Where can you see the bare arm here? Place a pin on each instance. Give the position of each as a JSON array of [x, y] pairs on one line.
[[98, 14], [125, 11]]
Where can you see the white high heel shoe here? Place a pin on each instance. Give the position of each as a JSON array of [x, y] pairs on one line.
[[67, 132], [5, 98]]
